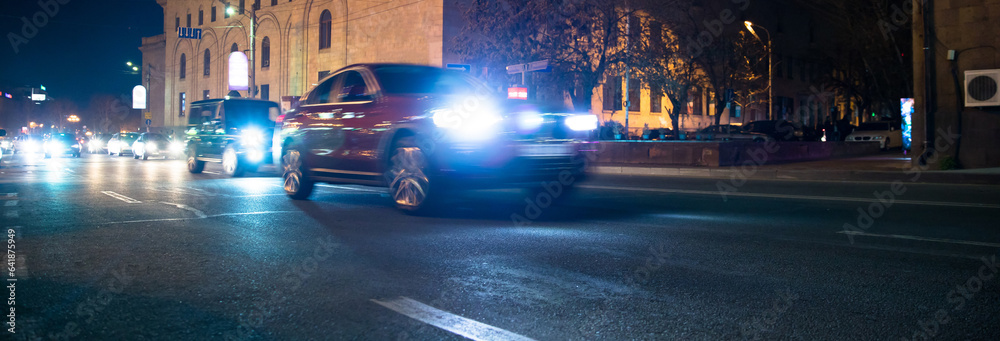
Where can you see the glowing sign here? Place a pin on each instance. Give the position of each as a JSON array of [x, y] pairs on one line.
[[906, 106], [37, 97], [517, 93], [139, 97], [239, 78]]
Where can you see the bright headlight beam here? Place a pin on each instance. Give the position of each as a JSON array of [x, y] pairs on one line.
[[581, 122]]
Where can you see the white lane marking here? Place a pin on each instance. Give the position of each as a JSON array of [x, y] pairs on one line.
[[351, 188], [196, 212], [121, 197], [925, 239], [11, 203], [791, 196], [216, 173], [471, 329], [196, 218]]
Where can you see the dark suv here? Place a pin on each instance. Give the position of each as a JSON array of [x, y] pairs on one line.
[[236, 132], [421, 129]]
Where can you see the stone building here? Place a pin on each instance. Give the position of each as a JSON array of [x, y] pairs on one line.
[[963, 36], [297, 43]]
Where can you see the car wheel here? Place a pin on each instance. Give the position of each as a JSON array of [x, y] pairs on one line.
[[294, 176], [409, 184], [195, 166], [231, 164]]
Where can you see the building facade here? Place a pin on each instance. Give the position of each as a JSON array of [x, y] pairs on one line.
[[297, 43], [959, 36]]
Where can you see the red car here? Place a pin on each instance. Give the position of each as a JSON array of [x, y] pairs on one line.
[[420, 130]]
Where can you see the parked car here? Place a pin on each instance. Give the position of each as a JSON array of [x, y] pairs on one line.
[[27, 144], [782, 130], [418, 130], [62, 144], [730, 132], [887, 134], [236, 132], [121, 143], [157, 145], [98, 143]]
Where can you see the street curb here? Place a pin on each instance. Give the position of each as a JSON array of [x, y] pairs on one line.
[[941, 177]]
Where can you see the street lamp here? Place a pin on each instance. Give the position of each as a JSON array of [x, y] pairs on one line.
[[770, 67], [73, 118]]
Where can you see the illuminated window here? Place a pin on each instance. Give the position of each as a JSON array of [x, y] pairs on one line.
[[208, 62], [265, 52], [325, 30], [183, 66], [183, 103]]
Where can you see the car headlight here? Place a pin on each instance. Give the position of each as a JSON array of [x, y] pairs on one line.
[[468, 125], [252, 137], [583, 122], [151, 147], [176, 147], [876, 137], [529, 121]]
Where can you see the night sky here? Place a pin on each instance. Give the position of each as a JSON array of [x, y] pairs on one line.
[[82, 49]]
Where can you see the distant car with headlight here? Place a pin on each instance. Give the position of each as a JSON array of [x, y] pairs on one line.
[[98, 143], [121, 143], [156, 145], [418, 130], [235, 132], [887, 134], [62, 144], [27, 144]]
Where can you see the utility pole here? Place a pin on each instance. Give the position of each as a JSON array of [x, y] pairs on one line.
[[252, 93], [627, 102]]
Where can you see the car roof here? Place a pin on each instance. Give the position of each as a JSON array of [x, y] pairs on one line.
[[218, 100]]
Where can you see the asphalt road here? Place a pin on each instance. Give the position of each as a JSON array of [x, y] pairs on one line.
[[116, 248]]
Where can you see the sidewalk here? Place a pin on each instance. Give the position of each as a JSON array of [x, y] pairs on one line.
[[884, 167]]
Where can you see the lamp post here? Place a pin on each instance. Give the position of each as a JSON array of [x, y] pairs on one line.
[[770, 67], [252, 91]]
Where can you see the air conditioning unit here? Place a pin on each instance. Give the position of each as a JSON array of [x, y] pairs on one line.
[[981, 88]]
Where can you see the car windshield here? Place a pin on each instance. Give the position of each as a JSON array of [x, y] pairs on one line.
[[131, 137], [425, 80], [156, 137], [873, 126], [241, 114]]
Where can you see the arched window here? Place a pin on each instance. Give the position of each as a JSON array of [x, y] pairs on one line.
[[183, 66], [265, 52], [234, 48], [208, 62], [325, 30]]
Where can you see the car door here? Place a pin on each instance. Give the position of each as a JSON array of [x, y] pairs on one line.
[[360, 115], [206, 120], [320, 130]]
